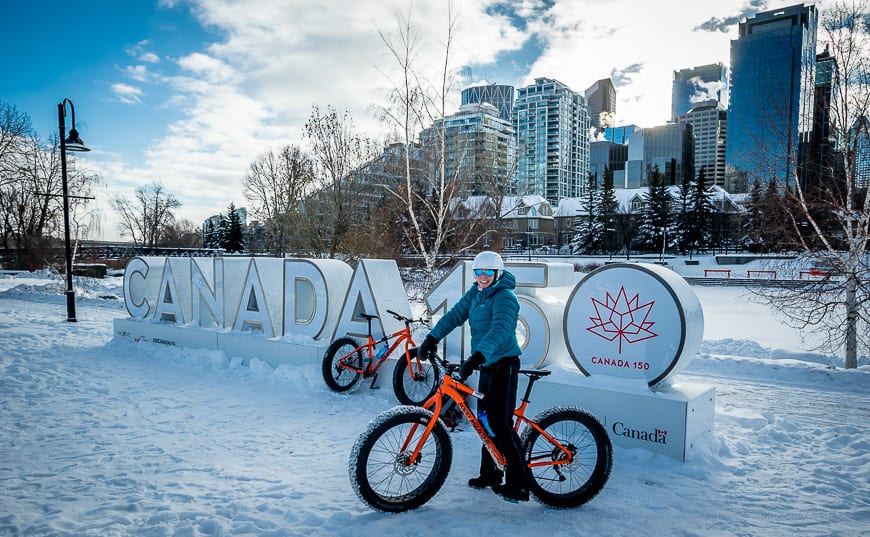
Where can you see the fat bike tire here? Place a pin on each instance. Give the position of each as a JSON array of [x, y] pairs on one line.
[[416, 386], [338, 378], [563, 486], [379, 473]]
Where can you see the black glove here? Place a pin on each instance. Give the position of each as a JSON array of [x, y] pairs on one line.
[[426, 350], [469, 366]]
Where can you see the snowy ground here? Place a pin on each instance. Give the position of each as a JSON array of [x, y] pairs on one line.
[[101, 437]]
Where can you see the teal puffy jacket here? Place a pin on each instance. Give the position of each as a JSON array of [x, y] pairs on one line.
[[492, 314]]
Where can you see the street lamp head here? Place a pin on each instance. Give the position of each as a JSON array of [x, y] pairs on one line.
[[74, 143]]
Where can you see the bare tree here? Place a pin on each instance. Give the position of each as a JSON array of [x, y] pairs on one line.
[[836, 308], [340, 156], [182, 234], [274, 186], [15, 128], [146, 219], [414, 104], [31, 194]]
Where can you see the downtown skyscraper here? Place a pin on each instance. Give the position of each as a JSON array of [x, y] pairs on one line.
[[771, 95], [698, 84], [601, 102]]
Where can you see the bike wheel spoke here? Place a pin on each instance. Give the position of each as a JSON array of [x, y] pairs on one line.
[[388, 472], [573, 473]]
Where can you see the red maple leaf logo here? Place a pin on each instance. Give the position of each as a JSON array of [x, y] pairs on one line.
[[622, 318]]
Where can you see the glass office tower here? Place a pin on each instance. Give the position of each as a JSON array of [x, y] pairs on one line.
[[552, 128], [619, 135], [770, 113], [861, 164], [668, 148], [698, 84]]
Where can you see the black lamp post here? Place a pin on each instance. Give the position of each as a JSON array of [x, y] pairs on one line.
[[73, 143], [664, 241]]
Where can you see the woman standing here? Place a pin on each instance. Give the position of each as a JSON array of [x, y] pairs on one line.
[[491, 309]]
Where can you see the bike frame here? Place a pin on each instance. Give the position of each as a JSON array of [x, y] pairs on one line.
[[454, 389], [401, 336]]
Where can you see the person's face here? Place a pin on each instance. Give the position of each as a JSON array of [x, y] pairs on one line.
[[484, 277]]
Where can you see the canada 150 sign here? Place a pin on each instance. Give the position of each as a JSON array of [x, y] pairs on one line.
[[632, 321]]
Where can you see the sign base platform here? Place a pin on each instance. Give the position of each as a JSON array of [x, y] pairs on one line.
[[273, 351], [668, 420]]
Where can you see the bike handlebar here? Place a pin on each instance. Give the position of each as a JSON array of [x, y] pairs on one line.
[[400, 317], [451, 367]]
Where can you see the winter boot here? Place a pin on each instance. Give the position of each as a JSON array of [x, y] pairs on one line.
[[484, 481]]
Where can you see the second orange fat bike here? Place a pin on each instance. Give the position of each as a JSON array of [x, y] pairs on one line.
[[346, 361], [403, 457]]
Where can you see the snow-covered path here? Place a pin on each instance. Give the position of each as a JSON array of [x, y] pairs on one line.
[[117, 438]]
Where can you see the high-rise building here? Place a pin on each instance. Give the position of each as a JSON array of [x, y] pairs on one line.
[[709, 127], [770, 112], [480, 149], [552, 128], [498, 95], [601, 101], [606, 155], [821, 164], [861, 161], [668, 148], [619, 135], [698, 84]]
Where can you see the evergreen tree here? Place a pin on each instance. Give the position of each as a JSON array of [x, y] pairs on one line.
[[655, 224], [753, 228], [607, 212], [233, 239], [220, 232], [703, 211], [773, 219], [694, 218], [206, 235], [587, 229], [212, 234], [684, 204]]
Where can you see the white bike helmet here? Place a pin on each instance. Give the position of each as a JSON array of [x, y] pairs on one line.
[[488, 260]]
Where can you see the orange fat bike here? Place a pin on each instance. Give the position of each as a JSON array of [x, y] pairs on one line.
[[346, 361], [403, 457]]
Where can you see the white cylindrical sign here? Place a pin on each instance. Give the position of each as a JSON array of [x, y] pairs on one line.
[[635, 321]]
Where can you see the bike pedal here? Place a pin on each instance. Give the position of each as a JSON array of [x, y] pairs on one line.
[[374, 379]]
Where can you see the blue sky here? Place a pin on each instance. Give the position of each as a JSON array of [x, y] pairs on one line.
[[190, 92]]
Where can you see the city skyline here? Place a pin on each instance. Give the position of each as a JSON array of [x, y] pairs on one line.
[[189, 93]]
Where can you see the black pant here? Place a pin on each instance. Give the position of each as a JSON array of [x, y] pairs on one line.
[[498, 383]]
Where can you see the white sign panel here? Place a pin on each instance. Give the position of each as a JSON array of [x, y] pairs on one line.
[[633, 321]]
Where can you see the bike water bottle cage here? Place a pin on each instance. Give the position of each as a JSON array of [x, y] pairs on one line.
[[482, 272]]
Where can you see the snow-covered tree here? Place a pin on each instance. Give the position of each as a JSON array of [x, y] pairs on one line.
[[587, 230], [694, 215], [702, 213], [654, 230], [607, 213]]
